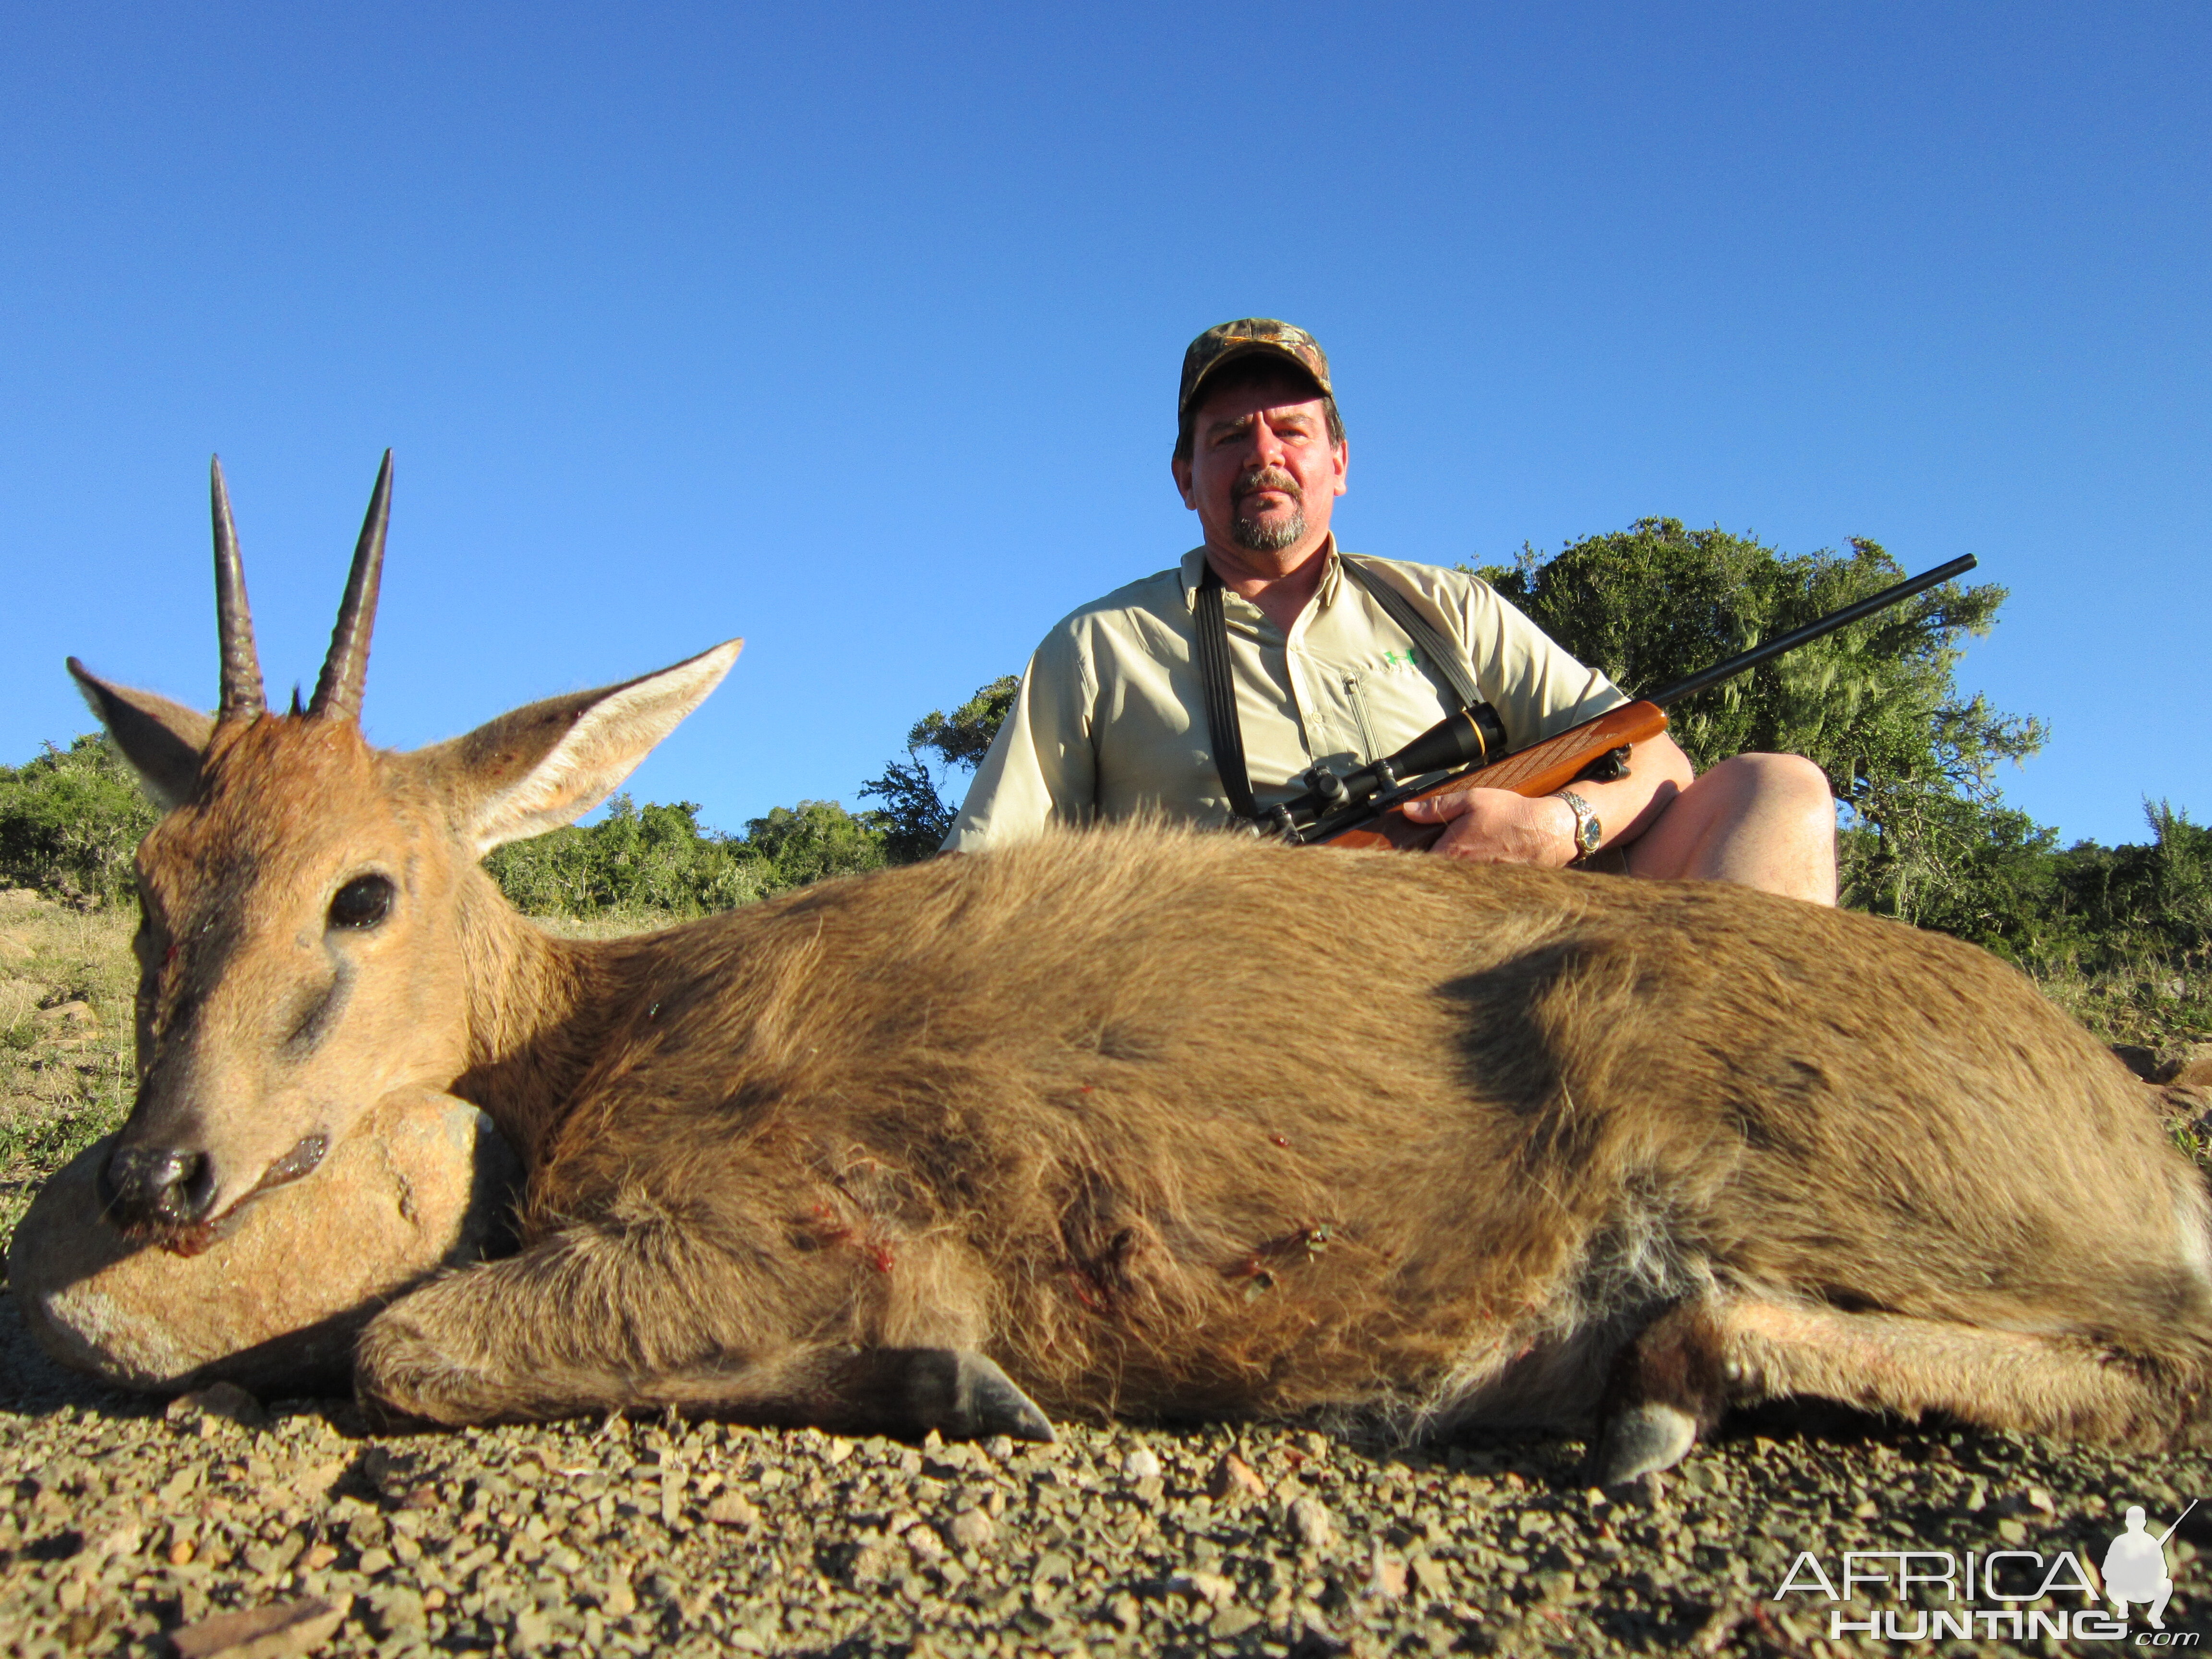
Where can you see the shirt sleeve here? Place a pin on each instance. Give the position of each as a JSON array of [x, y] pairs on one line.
[[1538, 690], [1042, 767]]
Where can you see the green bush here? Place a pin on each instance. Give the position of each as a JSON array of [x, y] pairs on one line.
[[637, 858], [71, 820], [795, 845], [658, 860]]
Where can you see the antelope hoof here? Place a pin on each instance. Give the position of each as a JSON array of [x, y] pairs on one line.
[[965, 1396], [1639, 1440]]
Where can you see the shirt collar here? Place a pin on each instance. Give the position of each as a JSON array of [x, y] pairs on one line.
[[1332, 575]]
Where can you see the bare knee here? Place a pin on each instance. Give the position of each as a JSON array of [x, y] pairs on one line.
[[1783, 782], [1765, 821], [1786, 795]]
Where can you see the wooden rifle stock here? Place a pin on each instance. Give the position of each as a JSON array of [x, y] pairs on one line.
[[1536, 770]]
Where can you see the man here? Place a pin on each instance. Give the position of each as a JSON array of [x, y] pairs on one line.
[[1112, 718], [2135, 1569]]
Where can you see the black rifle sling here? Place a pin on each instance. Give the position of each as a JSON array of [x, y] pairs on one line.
[[1216, 678], [1224, 732]]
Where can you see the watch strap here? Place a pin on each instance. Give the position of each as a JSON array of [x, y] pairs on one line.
[[1588, 831]]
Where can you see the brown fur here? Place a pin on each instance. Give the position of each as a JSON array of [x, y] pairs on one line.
[[1174, 1123], [1166, 1123]]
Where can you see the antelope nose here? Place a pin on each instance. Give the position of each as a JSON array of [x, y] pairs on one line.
[[147, 1185]]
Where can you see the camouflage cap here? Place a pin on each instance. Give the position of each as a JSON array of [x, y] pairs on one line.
[[1247, 337]]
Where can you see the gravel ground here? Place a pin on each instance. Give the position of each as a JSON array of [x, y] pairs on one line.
[[124, 1518]]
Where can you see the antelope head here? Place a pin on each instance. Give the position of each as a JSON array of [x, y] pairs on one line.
[[304, 946]]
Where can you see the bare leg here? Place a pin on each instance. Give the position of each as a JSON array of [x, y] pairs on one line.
[[513, 1340], [1765, 821]]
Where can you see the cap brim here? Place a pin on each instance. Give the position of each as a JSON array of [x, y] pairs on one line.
[[1243, 349]]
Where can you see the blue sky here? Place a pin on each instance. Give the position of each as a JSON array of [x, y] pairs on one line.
[[854, 330]]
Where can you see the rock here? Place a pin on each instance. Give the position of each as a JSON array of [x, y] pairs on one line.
[[1142, 1464], [970, 1529], [226, 1401], [1232, 1477], [1210, 1588], [1386, 1576], [2188, 1065], [394, 1608], [729, 1509], [78, 1014], [870, 1564], [274, 1303], [278, 1631], [1309, 1522], [2193, 1066]]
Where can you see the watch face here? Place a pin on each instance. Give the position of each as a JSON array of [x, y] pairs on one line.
[[1592, 833]]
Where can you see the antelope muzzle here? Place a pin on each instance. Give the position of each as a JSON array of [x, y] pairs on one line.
[[158, 1192]]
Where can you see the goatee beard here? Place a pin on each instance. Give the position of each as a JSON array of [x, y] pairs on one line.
[[1256, 538]]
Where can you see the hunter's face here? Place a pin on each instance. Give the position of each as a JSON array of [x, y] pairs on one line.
[[1262, 475]]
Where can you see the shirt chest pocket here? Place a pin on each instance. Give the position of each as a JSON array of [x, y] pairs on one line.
[[1392, 706]]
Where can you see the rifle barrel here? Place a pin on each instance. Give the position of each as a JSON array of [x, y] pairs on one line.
[[1767, 651], [2176, 1527]]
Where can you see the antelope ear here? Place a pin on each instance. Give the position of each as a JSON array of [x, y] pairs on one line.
[[543, 765], [162, 740]]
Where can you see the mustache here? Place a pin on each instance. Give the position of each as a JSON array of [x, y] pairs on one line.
[[1253, 479]]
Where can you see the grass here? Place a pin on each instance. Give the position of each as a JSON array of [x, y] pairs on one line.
[[65, 1072], [66, 982]]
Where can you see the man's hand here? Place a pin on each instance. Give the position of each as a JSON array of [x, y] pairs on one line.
[[1495, 826]]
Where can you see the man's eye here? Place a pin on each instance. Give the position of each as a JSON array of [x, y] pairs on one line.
[[362, 902]]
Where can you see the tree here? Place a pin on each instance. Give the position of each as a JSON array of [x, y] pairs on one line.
[[915, 815], [1876, 706]]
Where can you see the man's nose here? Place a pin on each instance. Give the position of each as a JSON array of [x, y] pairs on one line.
[[1267, 447]]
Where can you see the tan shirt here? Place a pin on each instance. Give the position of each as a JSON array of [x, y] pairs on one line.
[[1111, 719]]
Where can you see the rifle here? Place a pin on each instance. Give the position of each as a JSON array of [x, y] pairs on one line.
[[1365, 808]]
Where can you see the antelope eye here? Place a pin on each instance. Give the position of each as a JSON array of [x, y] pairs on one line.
[[362, 902]]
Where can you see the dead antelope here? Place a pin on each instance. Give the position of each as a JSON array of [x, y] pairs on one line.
[[1131, 1121]]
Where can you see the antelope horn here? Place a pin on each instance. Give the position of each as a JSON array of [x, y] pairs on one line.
[[338, 693], [242, 695]]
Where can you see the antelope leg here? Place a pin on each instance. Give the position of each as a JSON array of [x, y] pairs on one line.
[[1665, 1390], [2065, 1386], [577, 1324]]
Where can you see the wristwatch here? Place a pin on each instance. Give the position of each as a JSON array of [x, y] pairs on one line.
[[1588, 832]]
